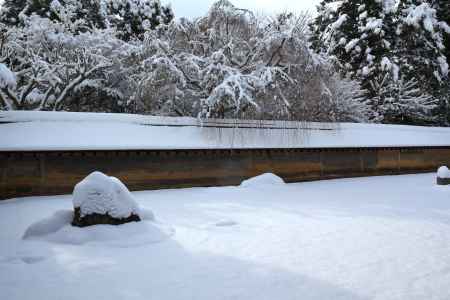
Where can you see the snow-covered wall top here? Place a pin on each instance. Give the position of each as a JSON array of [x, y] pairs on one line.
[[90, 131]]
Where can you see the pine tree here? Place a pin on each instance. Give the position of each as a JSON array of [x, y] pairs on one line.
[[421, 43], [341, 32], [93, 12], [361, 40], [326, 15], [11, 10], [133, 17], [376, 64], [398, 62], [408, 104], [422, 50], [90, 13], [443, 13]]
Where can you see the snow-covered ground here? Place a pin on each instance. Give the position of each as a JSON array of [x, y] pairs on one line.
[[366, 238], [75, 131]]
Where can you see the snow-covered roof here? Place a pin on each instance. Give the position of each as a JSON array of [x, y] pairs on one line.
[[91, 131]]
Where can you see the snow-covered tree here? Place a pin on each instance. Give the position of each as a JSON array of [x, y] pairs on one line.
[[346, 98], [83, 14], [132, 18], [422, 49], [65, 55], [11, 10], [229, 63], [421, 42], [443, 14], [361, 40], [51, 64], [8, 82], [326, 15], [389, 46], [408, 104], [341, 32]]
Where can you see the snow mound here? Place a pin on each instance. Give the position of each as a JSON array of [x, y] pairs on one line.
[[267, 179], [102, 194], [49, 225], [57, 229], [443, 172]]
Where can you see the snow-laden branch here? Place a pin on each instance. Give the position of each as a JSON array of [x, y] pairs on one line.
[[76, 82]]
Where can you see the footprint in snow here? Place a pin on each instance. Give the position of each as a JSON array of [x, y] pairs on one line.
[[25, 259], [32, 259], [226, 223]]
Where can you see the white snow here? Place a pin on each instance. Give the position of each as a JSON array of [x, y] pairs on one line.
[[78, 131], [367, 238], [57, 229], [373, 24], [339, 22], [389, 6], [443, 172], [444, 26], [266, 179], [366, 70], [7, 77], [422, 13], [102, 194], [443, 65], [350, 45], [386, 64]]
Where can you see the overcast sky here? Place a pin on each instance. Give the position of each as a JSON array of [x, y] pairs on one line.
[[195, 8]]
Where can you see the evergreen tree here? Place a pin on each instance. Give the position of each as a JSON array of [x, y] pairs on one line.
[[88, 13], [361, 40], [443, 13], [393, 51], [326, 15], [407, 104], [11, 10], [375, 63], [133, 17], [92, 11], [422, 50], [341, 32]]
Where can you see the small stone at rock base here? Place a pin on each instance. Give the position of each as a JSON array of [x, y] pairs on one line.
[[443, 181], [96, 219]]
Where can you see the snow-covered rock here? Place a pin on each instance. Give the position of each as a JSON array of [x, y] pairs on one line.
[[443, 176], [443, 172], [101, 199], [266, 179]]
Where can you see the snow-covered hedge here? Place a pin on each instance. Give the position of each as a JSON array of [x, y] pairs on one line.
[[99, 195]]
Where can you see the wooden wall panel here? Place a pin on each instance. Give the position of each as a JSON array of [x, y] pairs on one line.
[[56, 172]]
